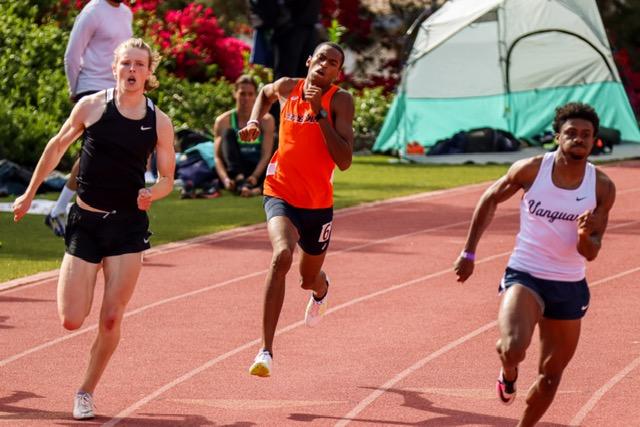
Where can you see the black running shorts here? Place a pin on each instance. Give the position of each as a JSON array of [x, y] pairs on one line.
[[313, 225], [92, 236]]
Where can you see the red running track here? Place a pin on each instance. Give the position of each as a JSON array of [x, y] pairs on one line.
[[402, 344]]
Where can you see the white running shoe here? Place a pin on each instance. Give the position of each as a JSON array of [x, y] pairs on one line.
[[262, 364], [315, 309], [83, 406], [56, 223]]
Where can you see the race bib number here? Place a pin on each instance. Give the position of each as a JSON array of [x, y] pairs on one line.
[[271, 168], [325, 233]]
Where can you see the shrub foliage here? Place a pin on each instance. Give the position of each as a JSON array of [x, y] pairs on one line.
[[195, 77]]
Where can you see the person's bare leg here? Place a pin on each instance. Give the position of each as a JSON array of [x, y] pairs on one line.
[[283, 236], [519, 313], [311, 275], [75, 290], [121, 274], [558, 343]]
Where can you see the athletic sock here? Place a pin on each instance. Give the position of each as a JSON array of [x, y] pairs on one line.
[[63, 200]]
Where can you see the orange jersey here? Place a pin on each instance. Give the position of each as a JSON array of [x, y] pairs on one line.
[[301, 171]]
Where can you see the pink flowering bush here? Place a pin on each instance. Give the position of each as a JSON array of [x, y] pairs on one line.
[[190, 40], [195, 45]]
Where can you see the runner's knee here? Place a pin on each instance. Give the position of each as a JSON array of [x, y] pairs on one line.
[[111, 319], [548, 381], [282, 260], [71, 323]]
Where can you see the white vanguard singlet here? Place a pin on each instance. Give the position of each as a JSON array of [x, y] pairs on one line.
[[546, 244]]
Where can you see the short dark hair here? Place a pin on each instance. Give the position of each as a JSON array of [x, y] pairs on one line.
[[333, 45], [245, 79], [575, 110]]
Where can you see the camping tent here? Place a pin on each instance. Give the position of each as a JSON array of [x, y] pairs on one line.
[[505, 64]]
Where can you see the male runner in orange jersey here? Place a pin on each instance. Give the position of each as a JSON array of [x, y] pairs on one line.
[[316, 134]]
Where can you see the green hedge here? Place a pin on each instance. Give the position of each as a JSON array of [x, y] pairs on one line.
[[33, 97], [194, 105], [371, 106]]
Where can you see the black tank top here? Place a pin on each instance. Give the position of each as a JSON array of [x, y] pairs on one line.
[[114, 158]]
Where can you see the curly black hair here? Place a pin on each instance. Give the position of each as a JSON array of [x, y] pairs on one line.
[[576, 110]]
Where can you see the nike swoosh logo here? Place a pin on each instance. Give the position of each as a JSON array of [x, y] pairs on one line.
[[578, 199], [584, 307], [145, 240], [145, 128]]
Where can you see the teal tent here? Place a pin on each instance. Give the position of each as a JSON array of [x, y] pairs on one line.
[[505, 64]]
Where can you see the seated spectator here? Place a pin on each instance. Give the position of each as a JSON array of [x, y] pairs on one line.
[[195, 172], [241, 165]]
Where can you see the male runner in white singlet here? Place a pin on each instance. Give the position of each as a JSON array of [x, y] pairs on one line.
[[563, 216]]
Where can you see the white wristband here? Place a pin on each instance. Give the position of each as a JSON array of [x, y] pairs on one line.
[[253, 122]]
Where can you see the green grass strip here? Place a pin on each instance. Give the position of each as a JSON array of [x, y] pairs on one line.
[[29, 247]]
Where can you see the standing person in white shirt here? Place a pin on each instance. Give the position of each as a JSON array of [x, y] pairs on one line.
[[97, 31], [563, 216]]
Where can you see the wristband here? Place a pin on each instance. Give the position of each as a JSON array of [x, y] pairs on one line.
[[468, 255], [253, 122]]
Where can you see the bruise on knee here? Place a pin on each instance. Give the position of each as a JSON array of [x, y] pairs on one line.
[[111, 320], [109, 323]]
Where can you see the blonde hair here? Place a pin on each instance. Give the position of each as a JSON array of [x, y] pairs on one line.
[[154, 59]]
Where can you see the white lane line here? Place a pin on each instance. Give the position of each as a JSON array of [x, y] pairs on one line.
[[46, 277], [55, 341], [139, 310], [128, 411], [346, 419], [410, 370], [595, 398]]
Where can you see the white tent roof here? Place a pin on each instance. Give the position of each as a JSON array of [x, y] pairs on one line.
[[488, 33], [447, 21], [505, 64]]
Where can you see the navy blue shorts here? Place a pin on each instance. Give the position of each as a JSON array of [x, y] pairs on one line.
[[559, 300], [313, 225], [92, 236]]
